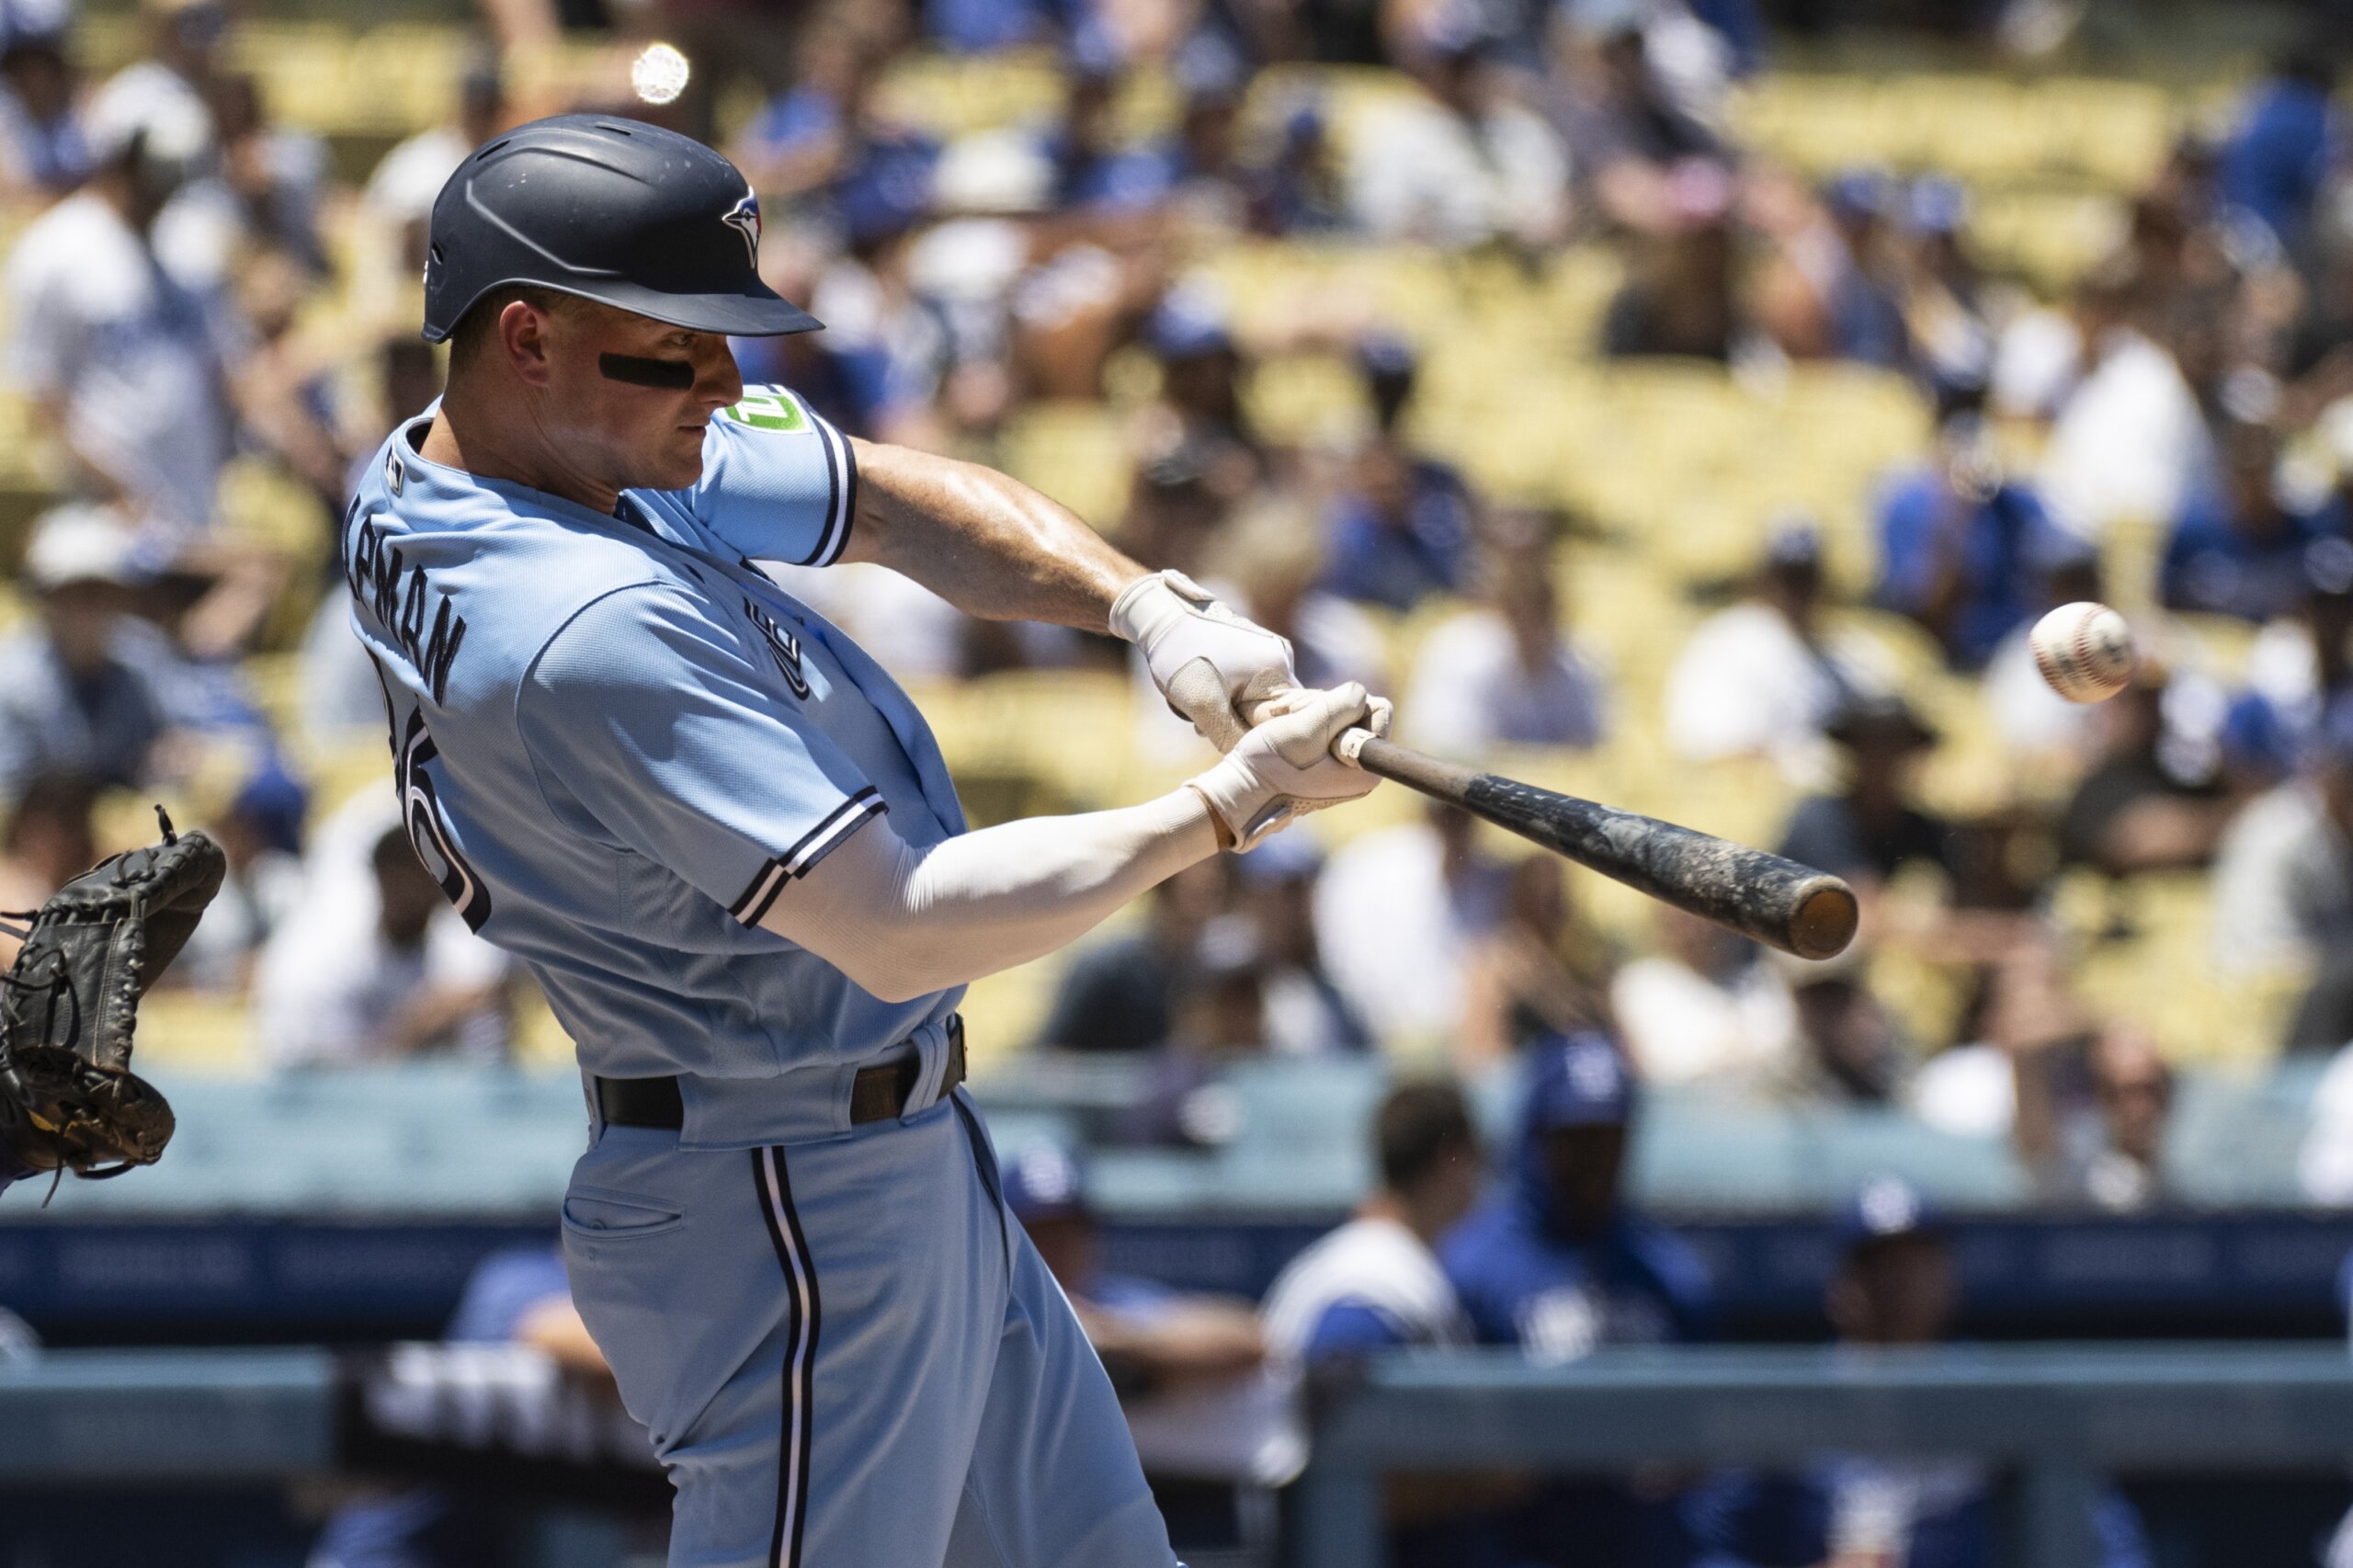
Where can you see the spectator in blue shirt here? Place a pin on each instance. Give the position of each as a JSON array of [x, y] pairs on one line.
[[516, 1297], [2238, 547], [2277, 157], [1402, 529], [980, 27], [1963, 544], [1555, 1264], [1895, 1285], [1095, 164]]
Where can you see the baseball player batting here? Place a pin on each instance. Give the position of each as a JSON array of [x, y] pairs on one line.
[[726, 844]]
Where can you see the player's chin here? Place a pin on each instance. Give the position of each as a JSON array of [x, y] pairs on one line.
[[681, 459]]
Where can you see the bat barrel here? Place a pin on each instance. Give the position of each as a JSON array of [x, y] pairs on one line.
[[1775, 901]]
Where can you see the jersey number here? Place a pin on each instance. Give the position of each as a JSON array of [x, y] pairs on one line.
[[428, 830]]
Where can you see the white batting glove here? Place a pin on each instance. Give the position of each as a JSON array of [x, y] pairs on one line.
[[1284, 768], [1214, 666]]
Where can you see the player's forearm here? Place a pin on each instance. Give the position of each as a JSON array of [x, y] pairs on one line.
[[986, 543], [903, 922]]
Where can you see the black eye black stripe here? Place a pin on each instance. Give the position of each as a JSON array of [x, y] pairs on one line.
[[672, 375]]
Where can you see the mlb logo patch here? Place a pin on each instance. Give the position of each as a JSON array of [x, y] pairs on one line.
[[395, 472]]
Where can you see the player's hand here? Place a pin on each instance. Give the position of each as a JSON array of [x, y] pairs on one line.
[[1214, 666], [1285, 769]]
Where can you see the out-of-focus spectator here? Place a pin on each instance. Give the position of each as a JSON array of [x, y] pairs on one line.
[[83, 689], [2279, 155], [1679, 297], [1220, 1020], [1200, 410], [1187, 1365], [1401, 530], [831, 137], [47, 843], [399, 194], [1505, 673], [349, 980], [1849, 1049], [1462, 161], [2145, 804], [980, 27], [123, 363], [1273, 557], [1835, 291], [1944, 313], [2283, 870], [1758, 678], [2042, 355], [261, 835], [1555, 1264], [2303, 659], [1398, 911], [1375, 1284], [1961, 542], [1542, 971], [2238, 547], [2032, 720], [43, 152], [1638, 149], [186, 42], [1897, 1285], [2117, 1157], [1096, 166], [264, 187], [1123, 995], [2129, 443], [516, 1297], [1304, 1012], [1301, 189], [1702, 1006], [1871, 828]]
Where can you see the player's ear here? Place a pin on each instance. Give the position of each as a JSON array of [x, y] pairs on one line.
[[523, 338]]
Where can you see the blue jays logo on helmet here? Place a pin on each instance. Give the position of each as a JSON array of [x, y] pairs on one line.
[[745, 219]]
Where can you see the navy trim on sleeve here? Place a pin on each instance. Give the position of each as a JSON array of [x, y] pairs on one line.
[[841, 473], [751, 906]]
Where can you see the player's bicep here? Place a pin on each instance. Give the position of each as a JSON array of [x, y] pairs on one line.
[[658, 723], [779, 482]]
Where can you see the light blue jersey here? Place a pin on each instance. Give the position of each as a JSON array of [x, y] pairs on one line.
[[618, 747], [619, 743]]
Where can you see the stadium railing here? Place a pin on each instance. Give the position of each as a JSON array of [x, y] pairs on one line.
[[2055, 1421]]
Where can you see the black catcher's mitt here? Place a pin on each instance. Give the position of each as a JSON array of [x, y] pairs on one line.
[[68, 1099]]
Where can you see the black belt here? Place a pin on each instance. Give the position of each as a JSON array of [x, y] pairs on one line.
[[877, 1094]]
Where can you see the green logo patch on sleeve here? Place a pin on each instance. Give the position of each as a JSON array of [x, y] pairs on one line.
[[770, 410]]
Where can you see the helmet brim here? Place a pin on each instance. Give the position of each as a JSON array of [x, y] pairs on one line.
[[763, 314]]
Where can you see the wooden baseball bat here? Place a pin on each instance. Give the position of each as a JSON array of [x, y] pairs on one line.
[[1778, 902]]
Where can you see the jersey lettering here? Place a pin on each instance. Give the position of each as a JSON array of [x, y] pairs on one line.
[[783, 645], [396, 599], [428, 826]]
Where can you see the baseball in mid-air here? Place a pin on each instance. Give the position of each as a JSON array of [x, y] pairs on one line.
[[2084, 651]]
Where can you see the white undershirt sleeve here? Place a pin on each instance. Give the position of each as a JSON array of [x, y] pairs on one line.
[[903, 922]]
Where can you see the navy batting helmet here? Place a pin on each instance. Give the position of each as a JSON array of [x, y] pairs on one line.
[[611, 210]]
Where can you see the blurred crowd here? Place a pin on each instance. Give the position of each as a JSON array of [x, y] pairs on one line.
[[209, 320]]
